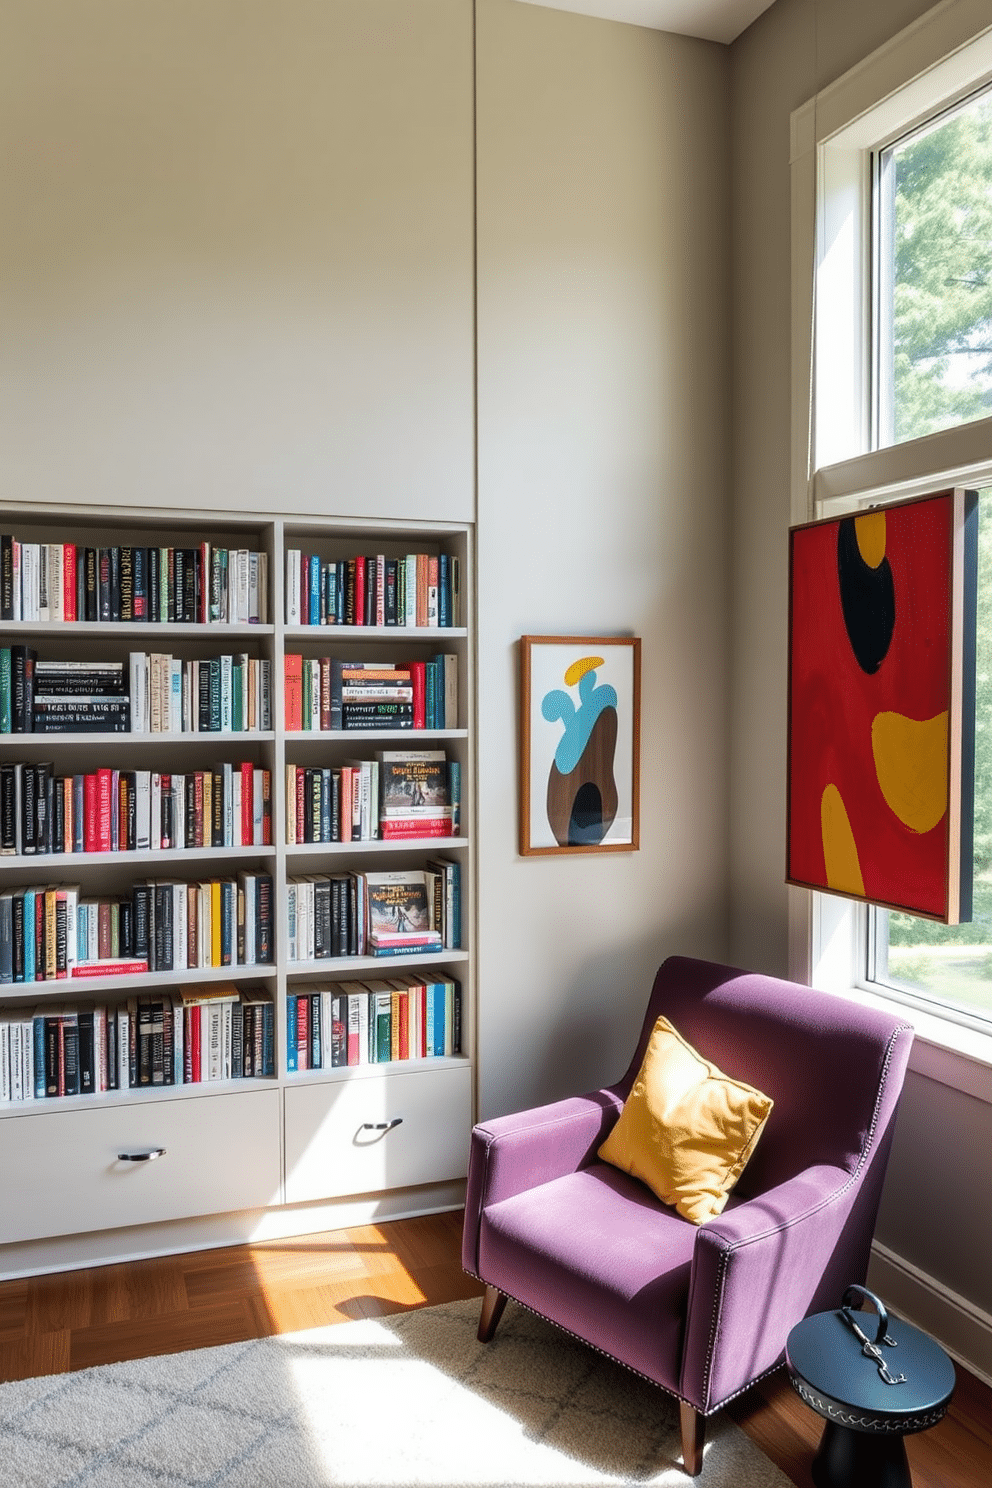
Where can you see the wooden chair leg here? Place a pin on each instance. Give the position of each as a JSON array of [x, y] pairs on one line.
[[492, 1310], [693, 1425]]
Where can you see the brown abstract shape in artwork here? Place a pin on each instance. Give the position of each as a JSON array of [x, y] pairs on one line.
[[582, 804]]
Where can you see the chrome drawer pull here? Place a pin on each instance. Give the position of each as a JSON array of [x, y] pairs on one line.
[[148, 1156], [382, 1126]]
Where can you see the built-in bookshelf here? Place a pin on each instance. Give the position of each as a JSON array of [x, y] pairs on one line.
[[236, 861]]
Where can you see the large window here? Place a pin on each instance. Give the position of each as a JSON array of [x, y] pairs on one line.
[[932, 322], [892, 181]]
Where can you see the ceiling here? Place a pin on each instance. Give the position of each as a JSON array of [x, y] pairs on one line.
[[713, 20]]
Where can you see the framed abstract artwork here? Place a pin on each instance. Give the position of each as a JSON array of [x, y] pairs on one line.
[[882, 705], [579, 744]]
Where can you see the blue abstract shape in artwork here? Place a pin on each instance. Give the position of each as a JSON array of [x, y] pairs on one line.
[[578, 722]]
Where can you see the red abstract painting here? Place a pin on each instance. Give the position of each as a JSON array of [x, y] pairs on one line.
[[881, 705]]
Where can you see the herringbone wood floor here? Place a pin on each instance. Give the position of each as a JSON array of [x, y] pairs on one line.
[[52, 1324]]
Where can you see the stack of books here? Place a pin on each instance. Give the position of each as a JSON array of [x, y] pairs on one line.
[[399, 914], [80, 697], [419, 794], [46, 697], [324, 692]]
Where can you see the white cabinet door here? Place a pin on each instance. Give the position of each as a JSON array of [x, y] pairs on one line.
[[356, 1136], [63, 1172]]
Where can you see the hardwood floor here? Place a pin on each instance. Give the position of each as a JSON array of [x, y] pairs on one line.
[[53, 1324]]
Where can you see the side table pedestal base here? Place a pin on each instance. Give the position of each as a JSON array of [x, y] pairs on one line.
[[852, 1459]]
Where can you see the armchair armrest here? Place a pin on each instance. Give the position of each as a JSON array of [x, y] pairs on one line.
[[757, 1269], [510, 1154]]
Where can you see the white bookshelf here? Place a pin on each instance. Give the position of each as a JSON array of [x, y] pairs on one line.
[[264, 1155]]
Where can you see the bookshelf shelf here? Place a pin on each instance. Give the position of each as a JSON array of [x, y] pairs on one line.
[[85, 987], [375, 847], [345, 635], [138, 858], [411, 737], [351, 966], [134, 630], [10, 744], [277, 1139]]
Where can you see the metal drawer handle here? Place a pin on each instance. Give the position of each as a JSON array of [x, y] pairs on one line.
[[382, 1126], [148, 1156]]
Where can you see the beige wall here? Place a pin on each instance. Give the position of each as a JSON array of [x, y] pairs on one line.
[[935, 1213], [236, 258], [603, 347]]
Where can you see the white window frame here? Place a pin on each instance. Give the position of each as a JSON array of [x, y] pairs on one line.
[[940, 59]]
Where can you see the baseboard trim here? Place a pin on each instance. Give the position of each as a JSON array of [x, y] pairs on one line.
[[960, 1327], [215, 1231]]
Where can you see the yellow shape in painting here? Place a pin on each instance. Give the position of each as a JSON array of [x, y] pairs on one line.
[[870, 532], [840, 851], [911, 765], [579, 668]]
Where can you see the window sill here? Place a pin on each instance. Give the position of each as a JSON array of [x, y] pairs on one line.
[[951, 1053]]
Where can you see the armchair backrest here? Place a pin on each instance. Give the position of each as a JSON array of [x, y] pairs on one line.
[[833, 1068]]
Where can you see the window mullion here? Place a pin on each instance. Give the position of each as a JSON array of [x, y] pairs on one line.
[[883, 263]]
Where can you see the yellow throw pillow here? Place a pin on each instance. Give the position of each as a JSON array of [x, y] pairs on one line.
[[686, 1129]]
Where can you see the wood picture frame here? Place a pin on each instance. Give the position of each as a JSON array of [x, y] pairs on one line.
[[882, 613], [580, 717]]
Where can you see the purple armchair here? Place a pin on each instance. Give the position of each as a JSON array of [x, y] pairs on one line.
[[701, 1311]]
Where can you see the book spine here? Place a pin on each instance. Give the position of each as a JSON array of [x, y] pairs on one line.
[[6, 697], [394, 828], [293, 693], [6, 576]]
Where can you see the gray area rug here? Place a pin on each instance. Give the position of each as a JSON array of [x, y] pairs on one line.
[[407, 1399]]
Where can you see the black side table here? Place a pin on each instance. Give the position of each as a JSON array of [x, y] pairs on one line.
[[841, 1378]]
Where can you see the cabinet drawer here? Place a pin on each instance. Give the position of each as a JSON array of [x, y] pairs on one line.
[[336, 1144], [62, 1174]]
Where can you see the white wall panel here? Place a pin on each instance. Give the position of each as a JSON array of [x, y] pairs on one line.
[[236, 259]]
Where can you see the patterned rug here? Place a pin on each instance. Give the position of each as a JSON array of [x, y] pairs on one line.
[[407, 1399]]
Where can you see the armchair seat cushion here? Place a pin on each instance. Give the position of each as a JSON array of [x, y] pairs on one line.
[[598, 1254]]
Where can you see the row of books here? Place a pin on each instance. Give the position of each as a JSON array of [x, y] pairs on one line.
[[67, 582], [417, 589], [373, 1022], [230, 693], [150, 693], [108, 810], [323, 692], [398, 796], [407, 911], [49, 932], [183, 1037]]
